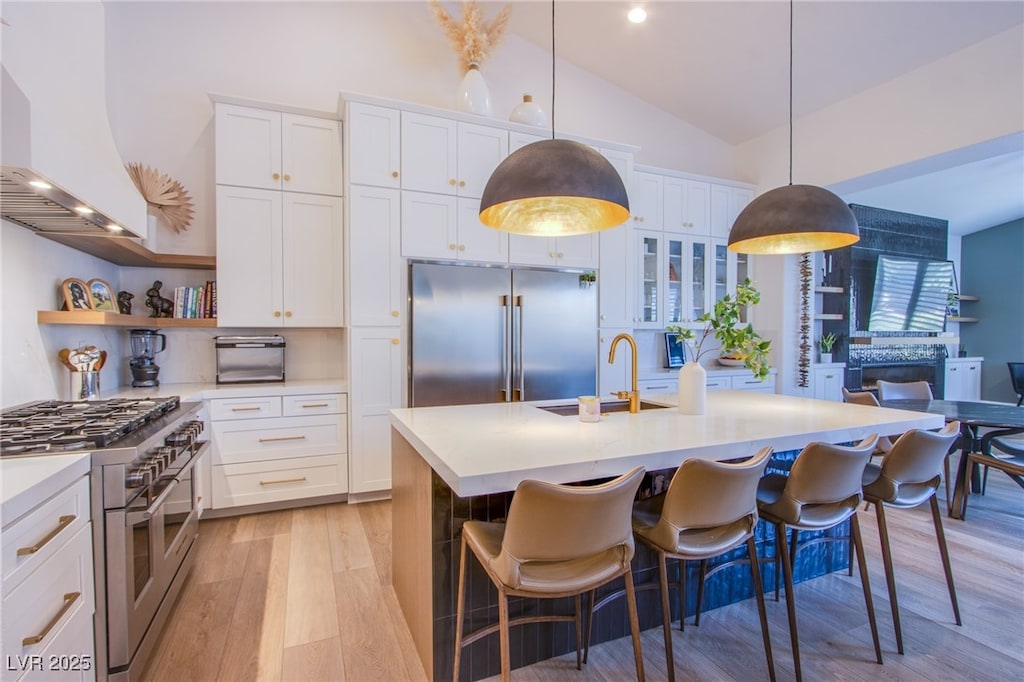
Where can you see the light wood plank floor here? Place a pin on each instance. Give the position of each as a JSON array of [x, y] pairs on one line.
[[305, 594]]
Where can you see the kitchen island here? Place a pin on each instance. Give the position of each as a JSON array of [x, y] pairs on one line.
[[450, 464]]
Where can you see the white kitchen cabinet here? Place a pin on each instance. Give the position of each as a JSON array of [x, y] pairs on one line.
[[446, 227], [726, 203], [662, 279], [374, 256], [827, 381], [449, 157], [687, 206], [373, 145], [667, 384], [962, 379], [279, 259], [615, 278], [278, 448], [376, 355], [517, 140], [48, 589], [580, 251], [275, 150], [646, 200]]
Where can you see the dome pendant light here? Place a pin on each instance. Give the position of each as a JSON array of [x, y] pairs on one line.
[[795, 218], [554, 187]]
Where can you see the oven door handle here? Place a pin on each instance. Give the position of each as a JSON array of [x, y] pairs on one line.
[[133, 518]]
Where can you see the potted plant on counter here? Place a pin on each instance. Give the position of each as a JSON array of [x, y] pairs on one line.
[[825, 344], [737, 342]]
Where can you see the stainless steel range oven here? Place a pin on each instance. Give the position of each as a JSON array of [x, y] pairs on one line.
[[144, 511]]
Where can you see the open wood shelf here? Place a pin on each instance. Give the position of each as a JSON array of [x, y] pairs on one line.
[[105, 319], [905, 340], [965, 297], [829, 290], [124, 251], [961, 319], [829, 316]]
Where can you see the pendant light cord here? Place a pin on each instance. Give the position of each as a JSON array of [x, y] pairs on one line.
[[790, 92], [552, 69]]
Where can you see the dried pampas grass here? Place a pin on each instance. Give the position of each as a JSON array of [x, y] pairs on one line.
[[473, 38], [167, 196]]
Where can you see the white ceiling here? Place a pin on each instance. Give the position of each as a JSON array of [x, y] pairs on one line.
[[680, 60]]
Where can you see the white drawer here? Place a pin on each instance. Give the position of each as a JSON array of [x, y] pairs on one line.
[[61, 586], [281, 438], [70, 657], [658, 386], [320, 403], [751, 383], [245, 408], [718, 383], [46, 528], [279, 480]]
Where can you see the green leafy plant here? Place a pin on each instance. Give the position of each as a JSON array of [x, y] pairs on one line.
[[826, 342], [723, 323]]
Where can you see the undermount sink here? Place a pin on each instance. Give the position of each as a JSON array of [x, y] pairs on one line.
[[573, 409]]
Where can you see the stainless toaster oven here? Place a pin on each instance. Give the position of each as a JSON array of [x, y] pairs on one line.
[[249, 359]]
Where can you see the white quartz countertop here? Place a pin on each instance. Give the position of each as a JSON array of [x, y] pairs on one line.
[[27, 481], [481, 449], [208, 391]]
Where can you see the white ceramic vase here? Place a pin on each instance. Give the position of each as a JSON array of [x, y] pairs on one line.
[[826, 358], [693, 388], [474, 96], [528, 112]]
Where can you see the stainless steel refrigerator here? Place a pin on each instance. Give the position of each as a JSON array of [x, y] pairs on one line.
[[492, 334]]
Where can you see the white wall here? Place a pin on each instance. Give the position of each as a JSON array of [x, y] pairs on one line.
[[165, 58]]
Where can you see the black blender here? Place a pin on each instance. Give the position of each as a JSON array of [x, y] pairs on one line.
[[146, 343]]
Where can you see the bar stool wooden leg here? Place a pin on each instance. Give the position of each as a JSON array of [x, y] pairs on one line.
[[700, 589], [634, 625], [506, 665], [859, 544], [755, 575], [787, 570], [458, 611], [940, 535], [577, 622], [682, 594], [590, 625], [666, 615], [890, 578]]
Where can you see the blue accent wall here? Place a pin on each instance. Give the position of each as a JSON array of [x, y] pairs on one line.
[[992, 267]]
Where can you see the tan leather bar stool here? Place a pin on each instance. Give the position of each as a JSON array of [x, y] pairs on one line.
[[558, 541], [822, 490], [709, 509], [908, 476]]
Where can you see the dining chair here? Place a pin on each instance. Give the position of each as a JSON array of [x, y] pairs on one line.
[[1017, 380], [1011, 464], [868, 398], [908, 477], [709, 509], [557, 541], [822, 490]]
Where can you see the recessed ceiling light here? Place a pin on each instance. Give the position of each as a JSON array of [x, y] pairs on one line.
[[637, 15], [39, 184], [84, 210]]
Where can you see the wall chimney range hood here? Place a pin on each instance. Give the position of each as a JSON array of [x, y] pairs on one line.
[[60, 172]]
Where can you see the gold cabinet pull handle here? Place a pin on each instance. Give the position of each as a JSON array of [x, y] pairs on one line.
[[69, 599], [287, 177], [284, 480], [394, 174], [63, 522], [246, 409], [462, 183], [394, 313], [277, 313], [281, 438], [288, 314], [315, 405], [451, 181], [276, 176]]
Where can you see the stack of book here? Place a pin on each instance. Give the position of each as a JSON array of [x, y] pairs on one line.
[[196, 302]]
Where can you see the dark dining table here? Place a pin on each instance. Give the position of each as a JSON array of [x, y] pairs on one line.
[[1004, 419]]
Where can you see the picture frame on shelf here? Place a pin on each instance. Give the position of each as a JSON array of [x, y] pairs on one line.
[[76, 294], [101, 296]]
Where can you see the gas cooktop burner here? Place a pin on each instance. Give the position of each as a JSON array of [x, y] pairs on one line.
[[58, 426]]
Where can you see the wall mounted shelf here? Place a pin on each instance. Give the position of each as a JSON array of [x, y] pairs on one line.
[[905, 340], [966, 297], [105, 319], [829, 316], [829, 290], [961, 319], [126, 252]]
